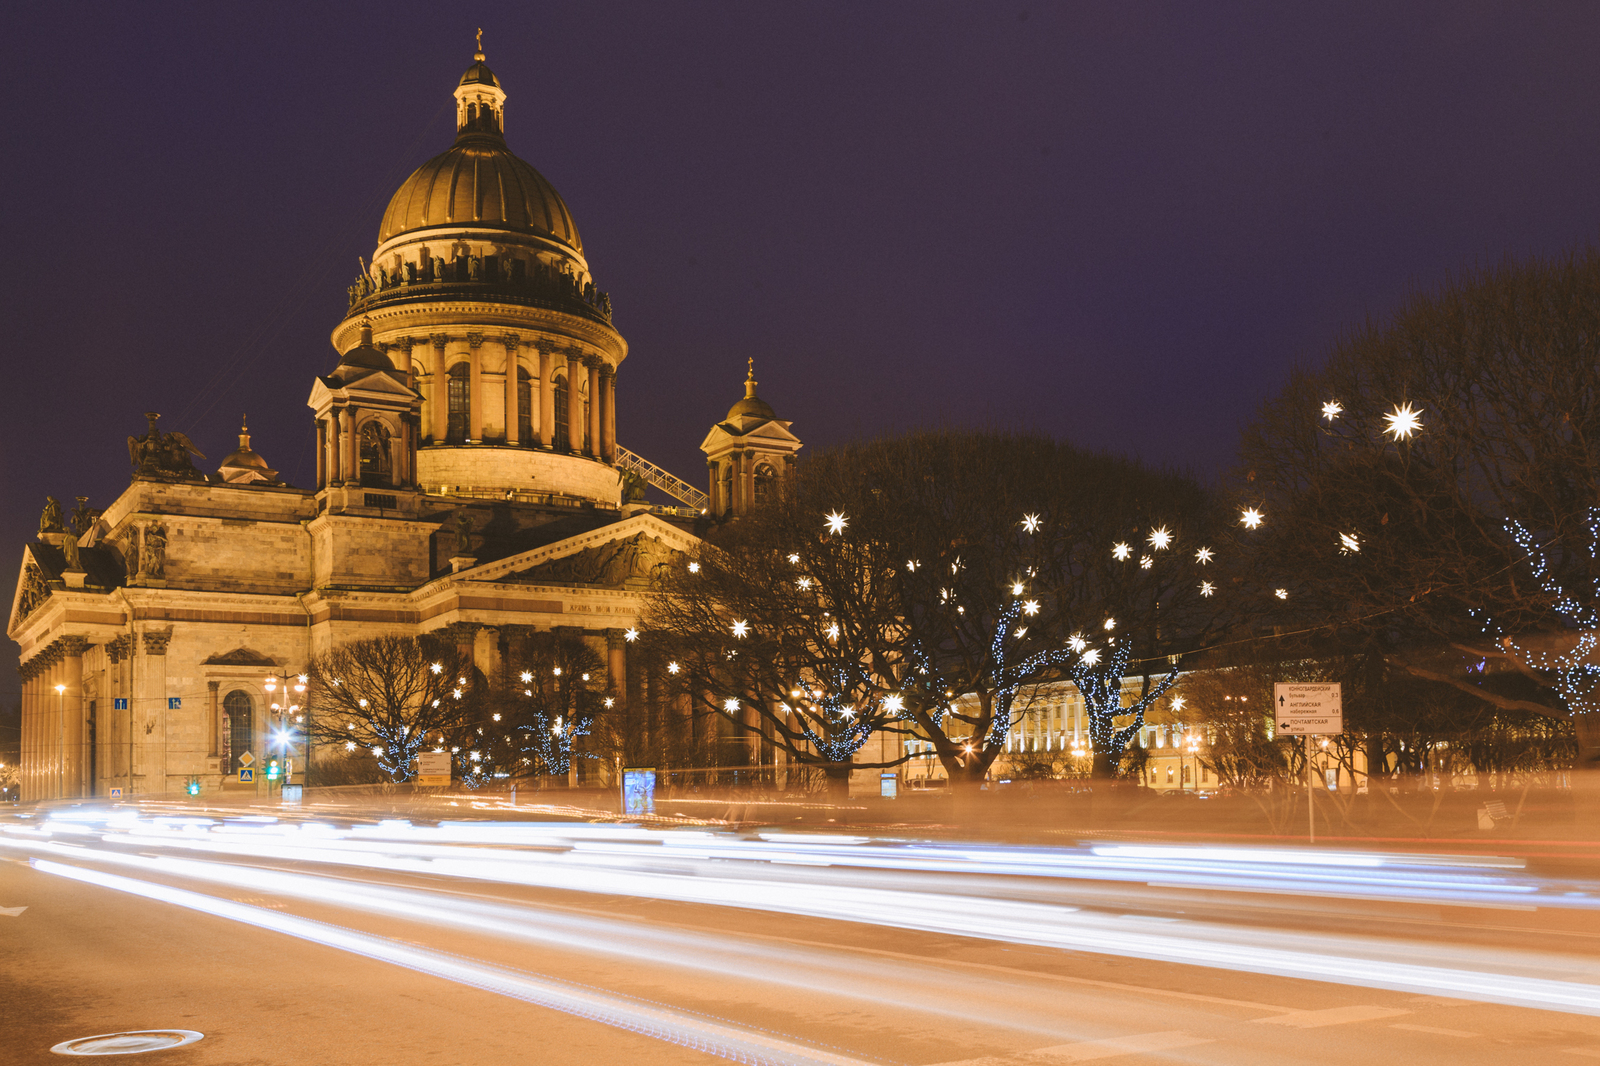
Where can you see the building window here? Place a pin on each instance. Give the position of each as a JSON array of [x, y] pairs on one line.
[[460, 388], [563, 434], [376, 470], [241, 727], [524, 406]]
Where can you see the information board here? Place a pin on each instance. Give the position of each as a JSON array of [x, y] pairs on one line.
[[639, 790], [1308, 708], [433, 768]]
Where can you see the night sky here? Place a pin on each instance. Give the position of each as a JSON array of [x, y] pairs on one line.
[[1120, 224]]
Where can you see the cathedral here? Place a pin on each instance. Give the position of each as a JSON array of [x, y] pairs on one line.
[[469, 483]]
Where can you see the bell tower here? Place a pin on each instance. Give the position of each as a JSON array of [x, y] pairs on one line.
[[749, 455]]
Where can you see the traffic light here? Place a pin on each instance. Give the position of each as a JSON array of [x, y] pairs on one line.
[[272, 770], [193, 787]]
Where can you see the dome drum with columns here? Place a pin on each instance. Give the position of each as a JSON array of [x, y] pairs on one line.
[[480, 296]]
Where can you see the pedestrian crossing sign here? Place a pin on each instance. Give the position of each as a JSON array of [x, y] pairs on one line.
[[246, 773]]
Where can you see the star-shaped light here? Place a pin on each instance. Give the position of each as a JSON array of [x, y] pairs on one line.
[[1016, 588], [1030, 523], [802, 582], [1077, 643], [836, 522], [436, 667], [1111, 623], [673, 668], [1091, 656], [1251, 518], [1145, 562], [694, 568], [1207, 588], [741, 628], [1203, 556], [1332, 409], [911, 565], [1031, 607], [1282, 594], [1160, 538], [1178, 702], [730, 705], [630, 635], [1121, 551], [1349, 542], [894, 703], [833, 631], [794, 557], [609, 702], [1403, 422]]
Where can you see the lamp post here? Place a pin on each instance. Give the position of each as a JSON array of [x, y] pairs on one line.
[[61, 744], [1192, 746], [288, 708]]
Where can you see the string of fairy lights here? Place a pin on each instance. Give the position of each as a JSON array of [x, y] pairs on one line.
[[1097, 671]]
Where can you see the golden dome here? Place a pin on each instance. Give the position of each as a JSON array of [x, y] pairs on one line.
[[245, 466], [479, 183], [752, 406]]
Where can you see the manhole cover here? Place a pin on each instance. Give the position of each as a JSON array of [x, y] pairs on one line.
[[128, 1043]]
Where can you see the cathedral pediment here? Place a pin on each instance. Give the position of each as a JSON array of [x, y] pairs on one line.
[[240, 656], [624, 553]]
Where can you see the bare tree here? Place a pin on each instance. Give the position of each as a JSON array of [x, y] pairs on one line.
[[394, 696], [1386, 479]]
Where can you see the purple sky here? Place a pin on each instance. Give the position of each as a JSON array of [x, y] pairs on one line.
[[1117, 223]]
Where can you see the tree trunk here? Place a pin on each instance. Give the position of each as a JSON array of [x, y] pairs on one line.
[[838, 780], [1105, 767]]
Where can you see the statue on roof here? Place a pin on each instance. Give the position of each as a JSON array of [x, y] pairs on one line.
[[158, 454], [50, 520]]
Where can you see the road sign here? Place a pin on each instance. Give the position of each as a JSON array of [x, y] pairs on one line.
[[433, 768], [246, 759], [120, 703], [246, 774], [116, 793], [174, 703], [1308, 709]]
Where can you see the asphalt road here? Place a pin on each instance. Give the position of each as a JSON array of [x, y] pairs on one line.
[[594, 944]]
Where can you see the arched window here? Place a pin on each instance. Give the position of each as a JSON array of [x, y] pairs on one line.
[[561, 414], [241, 726], [524, 406], [583, 412], [727, 487], [376, 469], [460, 403], [765, 478]]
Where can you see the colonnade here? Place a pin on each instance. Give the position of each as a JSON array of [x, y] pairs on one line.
[[591, 426], [54, 741]]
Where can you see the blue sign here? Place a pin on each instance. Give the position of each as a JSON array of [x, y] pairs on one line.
[[174, 703], [120, 704], [246, 774], [639, 790]]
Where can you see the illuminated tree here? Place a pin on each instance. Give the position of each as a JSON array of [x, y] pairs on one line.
[[933, 585], [556, 702], [394, 696]]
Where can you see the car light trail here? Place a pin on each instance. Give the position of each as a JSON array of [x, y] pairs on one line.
[[608, 1009]]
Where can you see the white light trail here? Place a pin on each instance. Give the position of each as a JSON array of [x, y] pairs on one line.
[[620, 1012]]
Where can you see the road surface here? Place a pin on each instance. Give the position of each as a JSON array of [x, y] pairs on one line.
[[327, 937]]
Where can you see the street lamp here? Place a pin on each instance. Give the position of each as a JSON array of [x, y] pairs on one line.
[[289, 709], [61, 745], [1192, 746]]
